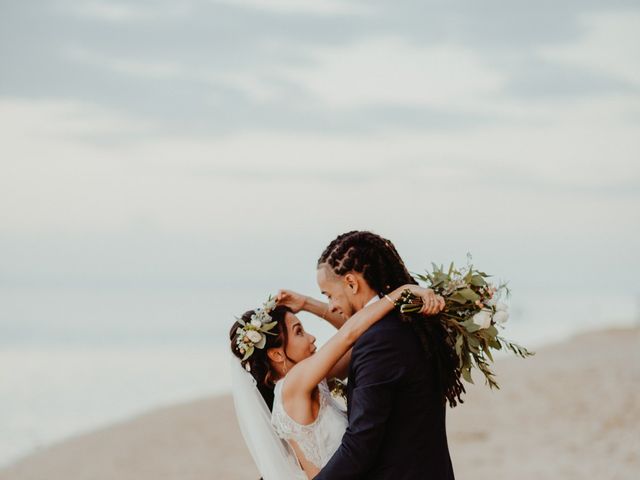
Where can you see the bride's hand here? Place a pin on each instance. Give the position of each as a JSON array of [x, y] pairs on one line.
[[432, 303], [294, 300]]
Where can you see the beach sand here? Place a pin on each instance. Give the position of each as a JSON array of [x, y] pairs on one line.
[[570, 412]]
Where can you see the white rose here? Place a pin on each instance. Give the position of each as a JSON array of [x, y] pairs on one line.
[[482, 319], [253, 336], [501, 317], [256, 323], [501, 307]]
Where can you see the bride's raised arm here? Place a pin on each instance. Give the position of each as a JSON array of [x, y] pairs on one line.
[[307, 374]]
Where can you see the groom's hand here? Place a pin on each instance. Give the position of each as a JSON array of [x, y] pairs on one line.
[[294, 300]]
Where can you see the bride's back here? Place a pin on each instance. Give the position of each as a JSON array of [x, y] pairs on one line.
[[319, 439]]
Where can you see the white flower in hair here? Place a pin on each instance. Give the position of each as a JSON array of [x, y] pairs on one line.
[[254, 336], [270, 304]]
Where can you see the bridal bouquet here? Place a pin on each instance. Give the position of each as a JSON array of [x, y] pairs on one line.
[[472, 315]]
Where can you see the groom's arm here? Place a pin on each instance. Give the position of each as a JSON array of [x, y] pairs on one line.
[[378, 369]]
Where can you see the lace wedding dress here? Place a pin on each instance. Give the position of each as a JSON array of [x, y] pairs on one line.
[[318, 440]]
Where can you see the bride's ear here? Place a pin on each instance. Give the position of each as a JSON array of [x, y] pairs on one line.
[[352, 283], [275, 355]]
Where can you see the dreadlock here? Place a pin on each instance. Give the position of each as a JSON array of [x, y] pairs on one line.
[[379, 263]]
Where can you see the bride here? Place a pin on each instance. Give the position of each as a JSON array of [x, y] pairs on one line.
[[285, 395]]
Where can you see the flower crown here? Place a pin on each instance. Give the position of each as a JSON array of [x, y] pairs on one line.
[[253, 334]]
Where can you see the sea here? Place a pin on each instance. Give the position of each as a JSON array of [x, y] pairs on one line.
[[76, 359]]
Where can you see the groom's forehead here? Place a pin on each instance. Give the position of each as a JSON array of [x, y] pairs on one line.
[[325, 272], [326, 276]]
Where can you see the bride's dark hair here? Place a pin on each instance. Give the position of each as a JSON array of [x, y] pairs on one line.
[[258, 363]]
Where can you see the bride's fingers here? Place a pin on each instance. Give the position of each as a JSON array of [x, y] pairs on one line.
[[435, 306], [428, 304], [432, 304]]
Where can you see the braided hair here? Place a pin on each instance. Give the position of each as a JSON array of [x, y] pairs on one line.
[[379, 263], [258, 363]]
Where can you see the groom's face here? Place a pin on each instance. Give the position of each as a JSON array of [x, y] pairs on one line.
[[337, 292]]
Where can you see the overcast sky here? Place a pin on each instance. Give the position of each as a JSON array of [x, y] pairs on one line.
[[225, 143]]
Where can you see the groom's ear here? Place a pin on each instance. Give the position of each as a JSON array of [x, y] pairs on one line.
[[352, 283]]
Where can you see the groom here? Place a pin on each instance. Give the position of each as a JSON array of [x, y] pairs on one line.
[[396, 404]]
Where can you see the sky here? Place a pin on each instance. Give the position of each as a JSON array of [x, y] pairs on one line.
[[223, 144]]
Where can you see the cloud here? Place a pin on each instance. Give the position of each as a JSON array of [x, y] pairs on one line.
[[609, 45], [129, 138], [123, 11], [236, 183], [546, 199], [123, 65], [391, 71], [301, 6], [313, 66]]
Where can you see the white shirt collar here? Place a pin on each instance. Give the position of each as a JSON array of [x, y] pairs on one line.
[[373, 299]]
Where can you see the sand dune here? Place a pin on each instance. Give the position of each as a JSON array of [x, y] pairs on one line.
[[570, 412]]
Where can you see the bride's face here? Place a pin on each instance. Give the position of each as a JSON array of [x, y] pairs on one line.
[[300, 343]]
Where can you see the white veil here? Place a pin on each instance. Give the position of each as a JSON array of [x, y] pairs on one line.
[[273, 456]]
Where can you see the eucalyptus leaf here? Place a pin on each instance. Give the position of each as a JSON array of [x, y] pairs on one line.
[[470, 326], [492, 330], [487, 352], [459, 342], [469, 294], [456, 297]]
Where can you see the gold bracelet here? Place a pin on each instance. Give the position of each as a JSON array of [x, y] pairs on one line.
[[390, 301]]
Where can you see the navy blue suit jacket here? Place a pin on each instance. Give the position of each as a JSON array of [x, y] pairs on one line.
[[396, 411]]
